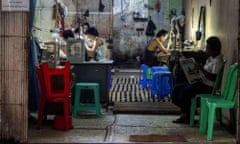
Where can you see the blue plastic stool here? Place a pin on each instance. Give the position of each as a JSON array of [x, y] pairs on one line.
[[157, 69], [162, 84], [145, 75]]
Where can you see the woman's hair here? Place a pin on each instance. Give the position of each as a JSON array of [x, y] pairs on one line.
[[68, 34], [86, 24], [92, 31], [161, 32], [214, 44]]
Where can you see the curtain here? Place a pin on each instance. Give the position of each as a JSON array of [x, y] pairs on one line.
[[33, 85]]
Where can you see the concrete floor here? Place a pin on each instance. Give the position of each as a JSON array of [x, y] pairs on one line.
[[116, 128]]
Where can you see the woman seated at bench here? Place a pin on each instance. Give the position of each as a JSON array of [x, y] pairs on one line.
[[156, 49]]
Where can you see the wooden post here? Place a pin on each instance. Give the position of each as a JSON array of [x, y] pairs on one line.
[[14, 44]]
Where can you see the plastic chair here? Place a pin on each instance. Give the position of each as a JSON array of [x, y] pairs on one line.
[[231, 69], [55, 94], [209, 105], [216, 90]]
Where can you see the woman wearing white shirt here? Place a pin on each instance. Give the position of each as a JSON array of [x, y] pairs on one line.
[[184, 92]]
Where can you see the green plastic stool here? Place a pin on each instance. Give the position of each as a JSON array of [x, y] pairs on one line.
[[78, 106]]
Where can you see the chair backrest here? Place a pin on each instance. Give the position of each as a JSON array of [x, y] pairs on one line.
[[229, 84], [232, 87], [57, 81], [218, 81]]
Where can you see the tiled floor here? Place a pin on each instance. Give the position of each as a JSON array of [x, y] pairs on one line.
[[110, 128], [116, 128]]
